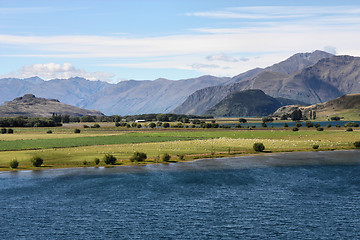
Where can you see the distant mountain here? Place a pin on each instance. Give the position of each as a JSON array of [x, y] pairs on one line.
[[124, 98], [327, 79], [31, 106], [247, 103], [158, 96], [347, 106]]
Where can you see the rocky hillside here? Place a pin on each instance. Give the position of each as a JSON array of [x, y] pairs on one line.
[[327, 79], [347, 105], [31, 106]]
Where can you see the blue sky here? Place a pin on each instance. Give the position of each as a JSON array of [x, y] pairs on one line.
[[146, 39]]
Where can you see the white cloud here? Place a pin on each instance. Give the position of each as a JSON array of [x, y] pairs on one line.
[[201, 66], [53, 70], [225, 58]]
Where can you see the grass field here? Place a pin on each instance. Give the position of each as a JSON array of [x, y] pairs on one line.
[[64, 148]]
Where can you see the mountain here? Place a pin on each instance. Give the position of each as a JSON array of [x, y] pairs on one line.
[[31, 106], [247, 103], [124, 98], [326, 79], [158, 96], [347, 106]]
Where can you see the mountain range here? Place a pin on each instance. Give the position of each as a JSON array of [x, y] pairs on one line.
[[307, 77]]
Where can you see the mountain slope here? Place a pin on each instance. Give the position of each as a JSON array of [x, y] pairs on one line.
[[31, 106], [327, 79], [347, 105], [159, 96]]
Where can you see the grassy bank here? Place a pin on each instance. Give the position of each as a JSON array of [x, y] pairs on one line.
[[64, 148]]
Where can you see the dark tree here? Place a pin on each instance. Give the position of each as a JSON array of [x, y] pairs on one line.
[[37, 161], [296, 115], [258, 147], [138, 156], [109, 159]]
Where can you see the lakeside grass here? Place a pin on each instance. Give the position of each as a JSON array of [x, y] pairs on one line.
[[66, 149]]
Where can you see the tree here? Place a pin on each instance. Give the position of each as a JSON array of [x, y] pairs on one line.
[[267, 119], [65, 119], [309, 124], [77, 130], [242, 120], [36, 161], [138, 156], [97, 161], [109, 159], [296, 115], [14, 163], [357, 144], [165, 157], [166, 125], [152, 125], [258, 147]]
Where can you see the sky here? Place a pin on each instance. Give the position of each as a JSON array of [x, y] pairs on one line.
[[116, 40]]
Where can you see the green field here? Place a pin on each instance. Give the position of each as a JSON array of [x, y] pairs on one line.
[[64, 148]]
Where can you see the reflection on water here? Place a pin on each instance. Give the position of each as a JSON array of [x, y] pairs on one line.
[[293, 195]]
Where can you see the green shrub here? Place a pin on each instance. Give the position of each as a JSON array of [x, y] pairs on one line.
[[166, 125], [3, 130], [320, 129], [357, 144], [85, 163], [138, 156], [315, 146], [295, 129], [36, 161], [328, 126], [14, 163], [152, 125], [285, 125], [258, 147], [96, 125], [309, 124], [181, 156], [49, 132], [109, 159], [77, 130], [298, 125], [117, 124], [349, 129], [97, 161], [351, 124], [10, 131], [85, 126], [317, 125], [165, 157]]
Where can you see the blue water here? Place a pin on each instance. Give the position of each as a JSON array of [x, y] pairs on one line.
[[284, 196], [292, 124]]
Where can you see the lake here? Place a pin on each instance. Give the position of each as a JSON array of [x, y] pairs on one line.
[[304, 195]]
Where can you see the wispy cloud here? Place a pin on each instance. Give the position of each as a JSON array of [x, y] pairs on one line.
[[53, 70]]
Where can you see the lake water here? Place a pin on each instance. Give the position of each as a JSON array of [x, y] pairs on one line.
[[281, 196]]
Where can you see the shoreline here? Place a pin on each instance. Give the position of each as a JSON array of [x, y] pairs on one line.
[[229, 156]]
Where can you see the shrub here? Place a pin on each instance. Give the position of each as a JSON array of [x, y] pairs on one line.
[[97, 161], [298, 125], [77, 130], [96, 125], [3, 130], [263, 125], [181, 156], [10, 131], [328, 126], [166, 125], [351, 124], [14, 163], [309, 124], [317, 125], [36, 161], [49, 132], [117, 124], [295, 129], [152, 125], [138, 156], [315, 146], [109, 159], [165, 157], [85, 126], [349, 129], [285, 125], [85, 162], [320, 129], [258, 147], [357, 144]]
